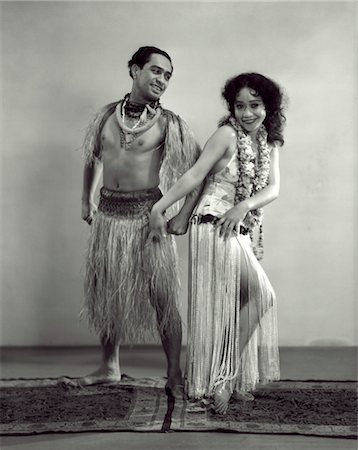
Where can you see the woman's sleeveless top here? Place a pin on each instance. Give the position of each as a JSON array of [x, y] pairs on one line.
[[219, 191]]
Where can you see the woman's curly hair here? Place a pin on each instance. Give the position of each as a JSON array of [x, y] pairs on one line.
[[271, 94]]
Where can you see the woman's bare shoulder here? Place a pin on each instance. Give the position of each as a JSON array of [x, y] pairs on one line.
[[224, 135]]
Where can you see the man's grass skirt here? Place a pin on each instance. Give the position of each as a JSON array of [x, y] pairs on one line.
[[129, 278]]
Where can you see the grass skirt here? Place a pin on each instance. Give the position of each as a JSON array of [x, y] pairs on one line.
[[129, 278], [232, 327]]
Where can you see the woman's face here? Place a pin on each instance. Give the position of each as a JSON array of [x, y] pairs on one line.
[[249, 110]]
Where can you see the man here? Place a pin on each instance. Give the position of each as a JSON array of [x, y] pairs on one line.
[[131, 282]]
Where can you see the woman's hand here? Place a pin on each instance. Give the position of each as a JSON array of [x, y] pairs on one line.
[[157, 224], [233, 217], [88, 211]]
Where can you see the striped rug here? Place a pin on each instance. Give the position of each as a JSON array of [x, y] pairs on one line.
[[316, 408]]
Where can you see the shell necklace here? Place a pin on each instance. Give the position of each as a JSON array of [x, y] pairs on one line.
[[146, 120]]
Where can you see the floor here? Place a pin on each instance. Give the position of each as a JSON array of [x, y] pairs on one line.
[[296, 364]]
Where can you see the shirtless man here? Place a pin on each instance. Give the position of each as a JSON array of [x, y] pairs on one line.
[[131, 282]]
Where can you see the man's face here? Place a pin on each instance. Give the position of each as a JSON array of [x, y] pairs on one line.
[[151, 81]]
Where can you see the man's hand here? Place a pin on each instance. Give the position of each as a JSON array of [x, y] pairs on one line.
[[89, 209], [157, 224], [178, 224]]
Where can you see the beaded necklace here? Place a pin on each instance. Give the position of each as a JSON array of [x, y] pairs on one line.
[[254, 170], [147, 119], [133, 110]]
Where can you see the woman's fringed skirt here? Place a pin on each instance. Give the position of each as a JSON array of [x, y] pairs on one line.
[[232, 326], [131, 282]]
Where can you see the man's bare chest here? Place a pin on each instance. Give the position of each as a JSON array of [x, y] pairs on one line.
[[145, 148], [113, 137]]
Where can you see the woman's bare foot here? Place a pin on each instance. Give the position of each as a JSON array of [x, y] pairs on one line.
[[243, 396], [103, 375], [222, 395]]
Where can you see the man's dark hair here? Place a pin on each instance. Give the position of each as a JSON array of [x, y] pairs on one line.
[[142, 56]]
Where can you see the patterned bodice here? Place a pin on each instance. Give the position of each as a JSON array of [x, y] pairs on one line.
[[219, 191]]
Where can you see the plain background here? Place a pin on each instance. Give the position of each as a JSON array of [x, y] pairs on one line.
[[63, 60]]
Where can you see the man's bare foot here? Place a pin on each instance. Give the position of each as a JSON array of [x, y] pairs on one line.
[[222, 395], [103, 375], [174, 387]]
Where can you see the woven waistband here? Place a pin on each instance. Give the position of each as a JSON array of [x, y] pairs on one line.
[[135, 203], [209, 218]]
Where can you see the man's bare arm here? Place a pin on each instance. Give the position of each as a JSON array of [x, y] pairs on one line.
[[91, 177]]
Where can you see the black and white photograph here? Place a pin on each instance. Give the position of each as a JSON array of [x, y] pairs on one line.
[[179, 225]]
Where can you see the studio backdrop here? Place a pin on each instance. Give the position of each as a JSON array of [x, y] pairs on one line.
[[63, 60]]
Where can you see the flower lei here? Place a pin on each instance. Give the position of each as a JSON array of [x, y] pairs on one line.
[[254, 169]]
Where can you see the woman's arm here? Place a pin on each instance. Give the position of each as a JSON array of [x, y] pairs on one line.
[[179, 224], [237, 214], [271, 191], [213, 151]]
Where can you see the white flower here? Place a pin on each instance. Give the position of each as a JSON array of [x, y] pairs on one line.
[[253, 174]]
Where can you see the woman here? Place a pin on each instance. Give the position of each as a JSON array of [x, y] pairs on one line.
[[232, 325]]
